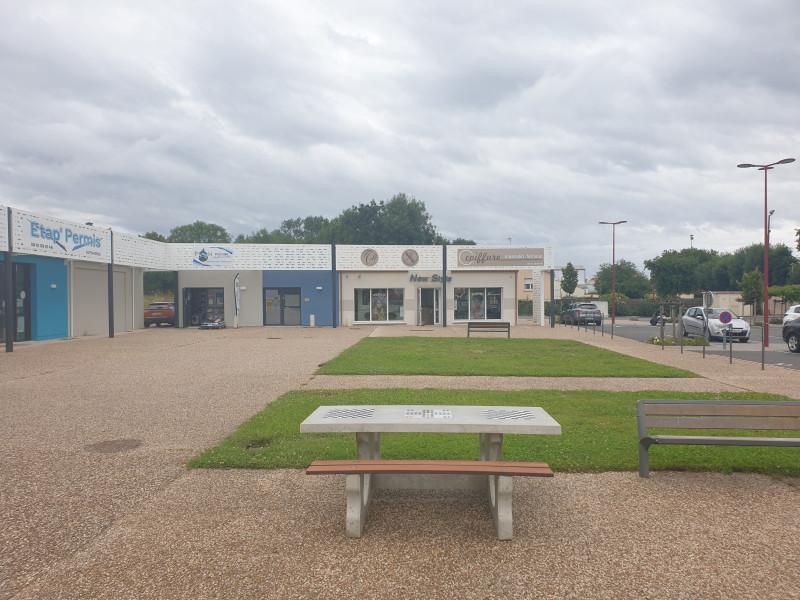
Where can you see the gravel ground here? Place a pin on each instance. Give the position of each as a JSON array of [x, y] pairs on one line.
[[97, 503]]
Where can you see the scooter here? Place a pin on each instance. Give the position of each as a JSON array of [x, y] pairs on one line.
[[658, 316]]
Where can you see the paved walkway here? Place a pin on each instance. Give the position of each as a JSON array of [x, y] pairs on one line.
[[96, 501]]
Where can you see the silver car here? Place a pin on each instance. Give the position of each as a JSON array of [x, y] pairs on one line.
[[696, 321], [792, 313]]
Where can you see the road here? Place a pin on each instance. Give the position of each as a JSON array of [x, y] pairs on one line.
[[776, 354]]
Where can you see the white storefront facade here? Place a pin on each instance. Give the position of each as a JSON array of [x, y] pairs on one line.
[[63, 279], [436, 285]]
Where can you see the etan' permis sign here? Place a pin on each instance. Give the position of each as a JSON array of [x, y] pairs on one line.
[[501, 257], [218, 257], [53, 237]]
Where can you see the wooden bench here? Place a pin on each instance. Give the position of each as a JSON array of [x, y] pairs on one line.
[[712, 414], [359, 483], [489, 327]]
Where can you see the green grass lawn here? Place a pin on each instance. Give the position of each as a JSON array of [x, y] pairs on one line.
[[498, 357], [599, 434]]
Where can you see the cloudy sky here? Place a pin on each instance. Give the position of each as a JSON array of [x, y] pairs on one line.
[[519, 119]]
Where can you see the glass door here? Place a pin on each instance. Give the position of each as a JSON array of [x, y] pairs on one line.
[[202, 304], [282, 306], [22, 302], [428, 306]]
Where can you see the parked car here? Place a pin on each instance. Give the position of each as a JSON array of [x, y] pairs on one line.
[[579, 313], [791, 335], [696, 321], [157, 313], [792, 313]]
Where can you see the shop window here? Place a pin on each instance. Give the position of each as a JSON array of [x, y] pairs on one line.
[[477, 304], [379, 304], [396, 308], [461, 309], [494, 308]]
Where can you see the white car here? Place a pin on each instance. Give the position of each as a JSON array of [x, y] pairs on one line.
[[792, 313], [695, 319]]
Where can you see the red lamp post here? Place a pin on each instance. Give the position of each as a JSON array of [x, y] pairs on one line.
[[766, 168], [613, 270]]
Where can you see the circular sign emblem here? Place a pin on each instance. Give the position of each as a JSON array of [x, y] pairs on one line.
[[725, 316], [410, 257], [369, 257]]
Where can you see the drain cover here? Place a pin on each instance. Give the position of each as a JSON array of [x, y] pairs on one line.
[[111, 446]]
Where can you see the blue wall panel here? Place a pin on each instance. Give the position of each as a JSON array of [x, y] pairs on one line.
[[320, 302], [49, 305]]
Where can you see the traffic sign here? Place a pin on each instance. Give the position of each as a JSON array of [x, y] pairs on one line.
[[725, 316]]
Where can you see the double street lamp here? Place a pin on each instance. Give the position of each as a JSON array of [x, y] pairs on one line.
[[613, 269], [766, 168]]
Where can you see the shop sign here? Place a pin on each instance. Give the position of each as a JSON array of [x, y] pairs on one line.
[[53, 237], [435, 278], [501, 257], [213, 256]]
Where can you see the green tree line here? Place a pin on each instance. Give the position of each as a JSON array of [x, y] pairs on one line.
[[400, 220], [693, 270]]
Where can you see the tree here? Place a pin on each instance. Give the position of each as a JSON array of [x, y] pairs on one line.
[[461, 242], [262, 236], [398, 221], [789, 294], [157, 282], [310, 230], [155, 236], [752, 285], [629, 280], [200, 233], [780, 264], [674, 273], [569, 279]]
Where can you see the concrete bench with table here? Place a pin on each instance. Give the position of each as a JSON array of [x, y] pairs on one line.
[[371, 472], [500, 476], [713, 414], [489, 327]]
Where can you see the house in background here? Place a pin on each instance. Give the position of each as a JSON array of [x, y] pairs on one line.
[[526, 281]]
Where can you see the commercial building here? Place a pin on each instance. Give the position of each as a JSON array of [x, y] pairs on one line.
[[70, 280]]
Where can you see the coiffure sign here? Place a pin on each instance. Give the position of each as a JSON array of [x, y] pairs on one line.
[[53, 237], [501, 257]]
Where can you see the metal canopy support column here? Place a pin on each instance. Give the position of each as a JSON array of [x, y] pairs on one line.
[[443, 303], [8, 264], [334, 288], [552, 297], [177, 312], [111, 291]]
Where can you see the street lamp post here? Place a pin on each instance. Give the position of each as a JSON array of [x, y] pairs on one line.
[[613, 270], [766, 168]]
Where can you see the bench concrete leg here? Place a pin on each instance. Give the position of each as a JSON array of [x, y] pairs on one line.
[[500, 493], [491, 446], [644, 460], [369, 446], [359, 496]]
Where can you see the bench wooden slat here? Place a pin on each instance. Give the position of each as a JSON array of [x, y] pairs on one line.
[[714, 440], [742, 409], [724, 422], [432, 467]]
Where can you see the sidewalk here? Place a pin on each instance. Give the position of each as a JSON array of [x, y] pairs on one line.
[[83, 517]]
